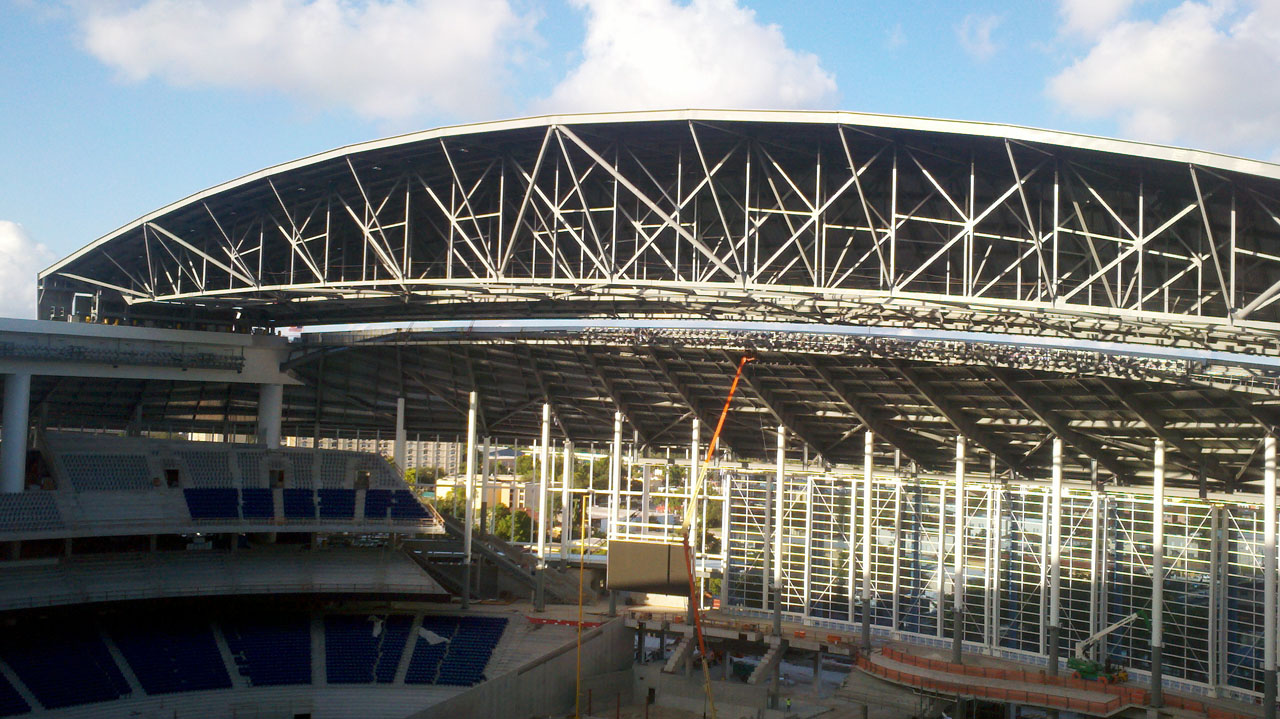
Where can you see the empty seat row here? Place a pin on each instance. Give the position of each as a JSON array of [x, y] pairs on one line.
[[361, 649], [63, 663], [258, 503], [173, 653], [271, 650], [28, 512], [461, 659], [101, 471], [397, 504]]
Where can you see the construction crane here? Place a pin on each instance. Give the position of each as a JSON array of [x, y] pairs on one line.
[[694, 599], [1085, 668]]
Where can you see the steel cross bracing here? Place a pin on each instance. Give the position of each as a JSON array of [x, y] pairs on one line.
[[1212, 580], [813, 222]]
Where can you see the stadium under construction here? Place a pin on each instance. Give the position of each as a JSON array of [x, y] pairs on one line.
[[1007, 400]]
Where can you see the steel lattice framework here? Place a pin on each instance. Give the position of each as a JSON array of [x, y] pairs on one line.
[[813, 217], [1009, 285]]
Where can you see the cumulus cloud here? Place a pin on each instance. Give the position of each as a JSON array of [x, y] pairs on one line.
[[1089, 17], [384, 59], [1203, 74], [707, 53], [20, 259], [975, 33]]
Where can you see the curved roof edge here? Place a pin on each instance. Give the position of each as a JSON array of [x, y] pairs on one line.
[[1073, 140]]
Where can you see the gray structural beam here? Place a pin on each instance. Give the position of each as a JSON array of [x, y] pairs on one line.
[[1059, 426], [1172, 437], [964, 424], [899, 439]]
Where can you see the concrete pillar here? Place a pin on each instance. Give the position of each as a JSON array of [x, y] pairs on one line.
[[1055, 559], [544, 479], [1157, 578], [615, 476], [566, 502], [779, 492], [398, 454], [1269, 574], [270, 407], [868, 454], [13, 447], [485, 469], [817, 672], [691, 506], [957, 577], [468, 514]]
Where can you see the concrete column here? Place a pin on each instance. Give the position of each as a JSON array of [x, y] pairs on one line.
[[779, 493], [544, 479], [402, 438], [726, 489], [468, 514], [1269, 580], [691, 506], [485, 469], [868, 449], [615, 476], [1157, 578], [270, 407], [1055, 559], [566, 502], [957, 576], [13, 447]]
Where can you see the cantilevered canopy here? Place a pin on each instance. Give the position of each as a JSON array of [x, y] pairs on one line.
[[1000, 283]]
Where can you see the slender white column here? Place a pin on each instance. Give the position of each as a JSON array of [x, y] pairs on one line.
[[957, 576], [270, 407], [485, 469], [1269, 576], [566, 502], [868, 449], [615, 476], [13, 442], [779, 493], [1157, 576], [544, 478], [468, 513], [695, 466], [1055, 557], [402, 438]]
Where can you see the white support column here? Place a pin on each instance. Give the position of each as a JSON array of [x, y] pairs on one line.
[[957, 575], [544, 479], [485, 470], [615, 476], [270, 407], [807, 596], [1269, 576], [13, 442], [1157, 577], [1055, 559], [398, 448], [468, 513], [695, 466], [868, 455], [566, 502], [726, 493], [779, 498]]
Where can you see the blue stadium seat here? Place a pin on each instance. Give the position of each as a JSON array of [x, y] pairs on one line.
[[212, 503], [63, 662], [256, 503], [171, 653], [337, 503], [376, 503], [271, 650], [299, 504], [405, 506], [460, 661], [353, 655], [11, 702]]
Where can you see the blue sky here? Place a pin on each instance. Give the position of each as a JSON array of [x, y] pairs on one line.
[[113, 108]]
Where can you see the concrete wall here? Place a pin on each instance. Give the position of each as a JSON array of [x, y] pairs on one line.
[[733, 699], [545, 686]]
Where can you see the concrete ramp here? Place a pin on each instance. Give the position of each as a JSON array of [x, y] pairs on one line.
[[768, 663], [679, 656]]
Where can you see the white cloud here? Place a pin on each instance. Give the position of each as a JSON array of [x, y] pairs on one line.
[[384, 59], [20, 259], [1090, 17], [1203, 73], [708, 53], [975, 33]]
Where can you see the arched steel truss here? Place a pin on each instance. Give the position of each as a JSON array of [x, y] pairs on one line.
[[807, 217]]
